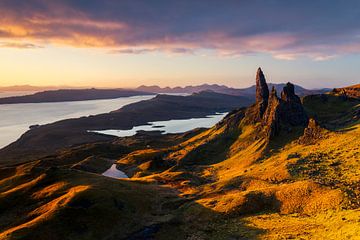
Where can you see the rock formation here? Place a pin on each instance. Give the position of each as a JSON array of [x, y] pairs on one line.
[[271, 119], [275, 113], [292, 111], [262, 93], [312, 133]]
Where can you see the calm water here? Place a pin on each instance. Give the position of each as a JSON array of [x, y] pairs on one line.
[[113, 172], [171, 126], [16, 118]]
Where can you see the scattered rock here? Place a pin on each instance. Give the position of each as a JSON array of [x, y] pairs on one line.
[[312, 133]]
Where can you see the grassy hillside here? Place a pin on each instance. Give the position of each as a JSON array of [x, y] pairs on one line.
[[227, 182]]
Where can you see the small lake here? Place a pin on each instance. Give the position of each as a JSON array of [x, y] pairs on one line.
[[113, 172], [170, 126], [16, 118]]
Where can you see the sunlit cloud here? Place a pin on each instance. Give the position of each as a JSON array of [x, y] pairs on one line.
[[19, 45], [230, 30], [285, 56]]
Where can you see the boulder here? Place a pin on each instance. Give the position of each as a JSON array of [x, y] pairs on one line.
[[312, 133]]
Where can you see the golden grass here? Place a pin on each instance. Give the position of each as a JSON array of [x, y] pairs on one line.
[[44, 212], [307, 197], [293, 191], [139, 156], [49, 190], [332, 225], [24, 186]]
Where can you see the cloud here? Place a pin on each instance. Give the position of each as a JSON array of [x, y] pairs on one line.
[[133, 51], [19, 45], [152, 50], [286, 30]]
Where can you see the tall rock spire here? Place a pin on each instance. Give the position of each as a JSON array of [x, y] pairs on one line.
[[262, 91]]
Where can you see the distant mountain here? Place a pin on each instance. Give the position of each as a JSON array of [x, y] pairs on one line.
[[201, 103], [245, 92], [187, 89], [64, 95], [30, 88]]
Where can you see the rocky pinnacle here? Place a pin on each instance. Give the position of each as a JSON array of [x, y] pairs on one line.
[[276, 113], [262, 91]]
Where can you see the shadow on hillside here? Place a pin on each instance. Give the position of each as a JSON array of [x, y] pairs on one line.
[[344, 130], [106, 208], [279, 142], [211, 152], [194, 221]]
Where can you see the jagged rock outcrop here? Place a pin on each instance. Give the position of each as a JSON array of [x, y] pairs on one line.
[[286, 111], [292, 111], [312, 133], [271, 119], [262, 93], [276, 113]]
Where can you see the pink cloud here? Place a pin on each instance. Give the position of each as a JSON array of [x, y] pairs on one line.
[[62, 24]]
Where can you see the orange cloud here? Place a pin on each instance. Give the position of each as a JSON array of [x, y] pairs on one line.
[[146, 29]]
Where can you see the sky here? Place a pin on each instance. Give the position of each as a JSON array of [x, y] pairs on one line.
[[127, 43]]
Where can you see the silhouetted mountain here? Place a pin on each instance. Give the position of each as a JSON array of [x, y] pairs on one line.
[[72, 95], [30, 88], [246, 92]]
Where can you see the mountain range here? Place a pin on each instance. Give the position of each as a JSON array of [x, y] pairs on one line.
[[30, 88], [73, 94], [64, 95], [246, 92]]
